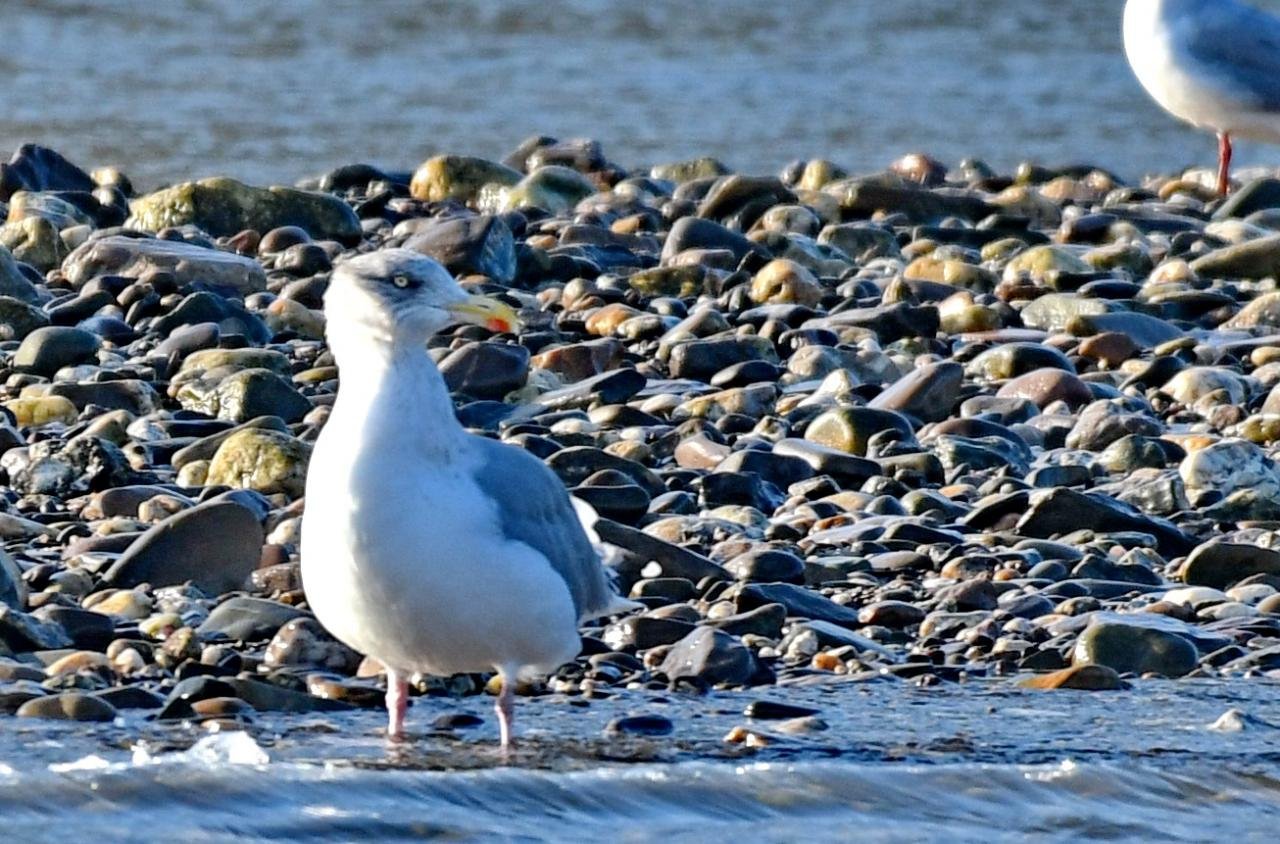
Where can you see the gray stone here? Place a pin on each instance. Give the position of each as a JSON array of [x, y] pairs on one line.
[[136, 256], [46, 350], [1137, 650], [68, 706], [709, 657], [929, 393], [244, 619], [215, 545], [486, 370], [480, 245]]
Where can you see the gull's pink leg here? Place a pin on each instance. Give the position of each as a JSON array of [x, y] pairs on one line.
[[397, 703], [505, 707], [1224, 163]]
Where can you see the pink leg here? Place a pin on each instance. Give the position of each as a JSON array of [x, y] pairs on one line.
[[1224, 163], [397, 703], [505, 707]]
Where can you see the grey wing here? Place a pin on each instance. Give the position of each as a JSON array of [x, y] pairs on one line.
[[1240, 46], [534, 508]]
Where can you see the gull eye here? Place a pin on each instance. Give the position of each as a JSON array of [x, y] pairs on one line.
[[402, 281]]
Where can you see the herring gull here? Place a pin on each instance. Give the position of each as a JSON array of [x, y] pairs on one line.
[[434, 550]]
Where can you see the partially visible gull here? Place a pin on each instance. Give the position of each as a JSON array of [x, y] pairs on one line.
[[1212, 63], [429, 548]]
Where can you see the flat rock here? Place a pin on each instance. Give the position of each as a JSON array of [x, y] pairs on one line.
[[799, 601], [929, 393], [214, 545], [68, 706], [136, 256], [222, 207], [674, 560], [1054, 512], [244, 619]]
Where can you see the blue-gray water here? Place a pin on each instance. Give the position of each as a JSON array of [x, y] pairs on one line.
[[273, 90], [977, 762]]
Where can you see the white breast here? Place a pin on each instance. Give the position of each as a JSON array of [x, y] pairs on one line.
[[403, 558]]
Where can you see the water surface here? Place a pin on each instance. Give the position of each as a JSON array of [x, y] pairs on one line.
[[274, 90], [978, 762]]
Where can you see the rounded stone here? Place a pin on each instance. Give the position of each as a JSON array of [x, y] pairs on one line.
[[46, 350], [68, 706], [1135, 649]]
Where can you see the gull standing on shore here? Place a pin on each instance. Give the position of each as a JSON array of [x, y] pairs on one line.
[[431, 549], [1212, 63]]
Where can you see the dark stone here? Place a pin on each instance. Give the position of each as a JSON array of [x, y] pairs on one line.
[[699, 360], [892, 614], [641, 725], [23, 633], [709, 657], [480, 245], [46, 350], [130, 697], [848, 470], [697, 233], [1221, 565], [929, 393], [214, 545], [37, 168], [767, 565], [643, 548], [109, 328], [1135, 649], [770, 710], [650, 631], [612, 387], [456, 721], [574, 465], [1258, 195], [68, 706], [621, 502], [229, 315], [486, 370], [967, 596], [244, 619], [799, 602], [1060, 511], [780, 469], [88, 630], [764, 621], [729, 488], [131, 394]]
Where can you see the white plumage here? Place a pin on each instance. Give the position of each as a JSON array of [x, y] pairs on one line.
[[1213, 63], [431, 549]]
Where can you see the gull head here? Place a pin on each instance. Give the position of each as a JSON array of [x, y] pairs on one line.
[[395, 295]]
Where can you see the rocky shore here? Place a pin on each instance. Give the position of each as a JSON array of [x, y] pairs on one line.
[[923, 425]]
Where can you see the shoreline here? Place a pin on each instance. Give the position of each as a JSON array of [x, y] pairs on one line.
[[928, 424]]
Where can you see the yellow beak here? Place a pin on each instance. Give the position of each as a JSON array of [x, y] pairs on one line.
[[492, 314]]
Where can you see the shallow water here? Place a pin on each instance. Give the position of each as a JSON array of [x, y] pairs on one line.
[[975, 762], [274, 90]]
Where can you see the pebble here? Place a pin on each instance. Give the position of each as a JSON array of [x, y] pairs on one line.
[[68, 706], [835, 426]]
